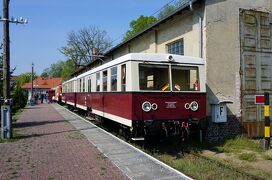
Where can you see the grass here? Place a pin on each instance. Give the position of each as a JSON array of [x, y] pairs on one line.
[[16, 136], [267, 156], [199, 168], [249, 156], [238, 145]]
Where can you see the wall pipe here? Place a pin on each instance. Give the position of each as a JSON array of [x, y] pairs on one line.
[[200, 29]]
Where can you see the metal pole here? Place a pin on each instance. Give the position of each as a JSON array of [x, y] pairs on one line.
[[267, 120], [32, 71]]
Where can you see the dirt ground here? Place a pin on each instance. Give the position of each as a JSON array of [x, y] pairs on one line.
[[258, 165]]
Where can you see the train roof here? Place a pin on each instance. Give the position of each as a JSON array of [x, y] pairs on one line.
[[146, 57]]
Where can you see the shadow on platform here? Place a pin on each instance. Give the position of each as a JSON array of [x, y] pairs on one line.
[[25, 136]]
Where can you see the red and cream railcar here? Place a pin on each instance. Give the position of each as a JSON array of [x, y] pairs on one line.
[[148, 93]]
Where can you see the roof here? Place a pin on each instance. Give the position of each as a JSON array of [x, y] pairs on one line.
[[147, 57], [43, 83]]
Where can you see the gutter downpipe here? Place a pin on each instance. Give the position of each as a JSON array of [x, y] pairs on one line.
[[200, 45], [200, 19]]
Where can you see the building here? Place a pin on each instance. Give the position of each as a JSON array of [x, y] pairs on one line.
[[41, 85], [234, 38]]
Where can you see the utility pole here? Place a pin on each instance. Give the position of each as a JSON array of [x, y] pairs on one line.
[[6, 123], [6, 53]]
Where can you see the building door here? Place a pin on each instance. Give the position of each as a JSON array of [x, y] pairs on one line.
[[256, 67]]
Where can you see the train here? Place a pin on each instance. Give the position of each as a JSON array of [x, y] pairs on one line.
[[146, 94]]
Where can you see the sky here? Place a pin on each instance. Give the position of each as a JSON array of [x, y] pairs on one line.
[[50, 22]]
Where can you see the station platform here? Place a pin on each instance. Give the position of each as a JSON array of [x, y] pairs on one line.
[[54, 143]]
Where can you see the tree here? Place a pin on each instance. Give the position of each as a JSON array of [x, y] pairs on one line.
[[68, 69], [170, 8], [138, 25], [167, 10], [19, 95], [80, 44], [61, 69], [45, 73]]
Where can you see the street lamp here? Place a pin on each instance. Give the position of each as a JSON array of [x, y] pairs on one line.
[[32, 71], [5, 110]]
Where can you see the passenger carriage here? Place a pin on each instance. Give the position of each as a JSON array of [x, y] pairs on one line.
[[146, 93]]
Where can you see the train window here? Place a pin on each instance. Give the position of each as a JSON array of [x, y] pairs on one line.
[[83, 84], [154, 77], [89, 85], [114, 79], [185, 78], [98, 81], [80, 81], [123, 77], [105, 76]]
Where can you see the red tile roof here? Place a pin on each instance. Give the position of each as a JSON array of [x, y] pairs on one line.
[[43, 83]]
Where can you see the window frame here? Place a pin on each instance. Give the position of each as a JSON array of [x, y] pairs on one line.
[[171, 47], [105, 80], [111, 78]]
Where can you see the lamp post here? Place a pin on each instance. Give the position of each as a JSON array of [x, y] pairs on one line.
[[5, 110], [32, 71]]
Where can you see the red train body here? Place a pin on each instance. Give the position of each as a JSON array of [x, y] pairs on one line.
[[147, 93]]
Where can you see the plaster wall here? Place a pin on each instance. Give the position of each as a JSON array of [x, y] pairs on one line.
[[222, 49]]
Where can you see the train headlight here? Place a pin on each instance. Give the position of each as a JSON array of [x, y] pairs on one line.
[[154, 106], [194, 106], [146, 106]]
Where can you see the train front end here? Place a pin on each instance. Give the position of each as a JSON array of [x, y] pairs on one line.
[[171, 100]]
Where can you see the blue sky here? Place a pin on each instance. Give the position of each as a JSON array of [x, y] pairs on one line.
[[51, 20]]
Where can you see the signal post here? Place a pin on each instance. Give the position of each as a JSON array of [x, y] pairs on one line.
[[267, 121]]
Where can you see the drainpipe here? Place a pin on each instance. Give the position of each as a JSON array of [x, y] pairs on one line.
[[200, 45], [200, 29]]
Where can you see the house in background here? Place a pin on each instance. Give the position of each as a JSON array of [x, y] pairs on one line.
[[234, 39], [41, 85]]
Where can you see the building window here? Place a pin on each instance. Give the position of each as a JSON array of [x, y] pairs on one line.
[[114, 79], [98, 81], [176, 47], [105, 76]]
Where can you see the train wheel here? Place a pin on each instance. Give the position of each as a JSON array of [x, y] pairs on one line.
[[98, 119]]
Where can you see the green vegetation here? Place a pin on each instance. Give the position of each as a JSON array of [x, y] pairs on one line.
[[16, 136], [19, 95], [267, 156], [248, 156], [61, 69], [239, 144], [138, 25], [143, 22]]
